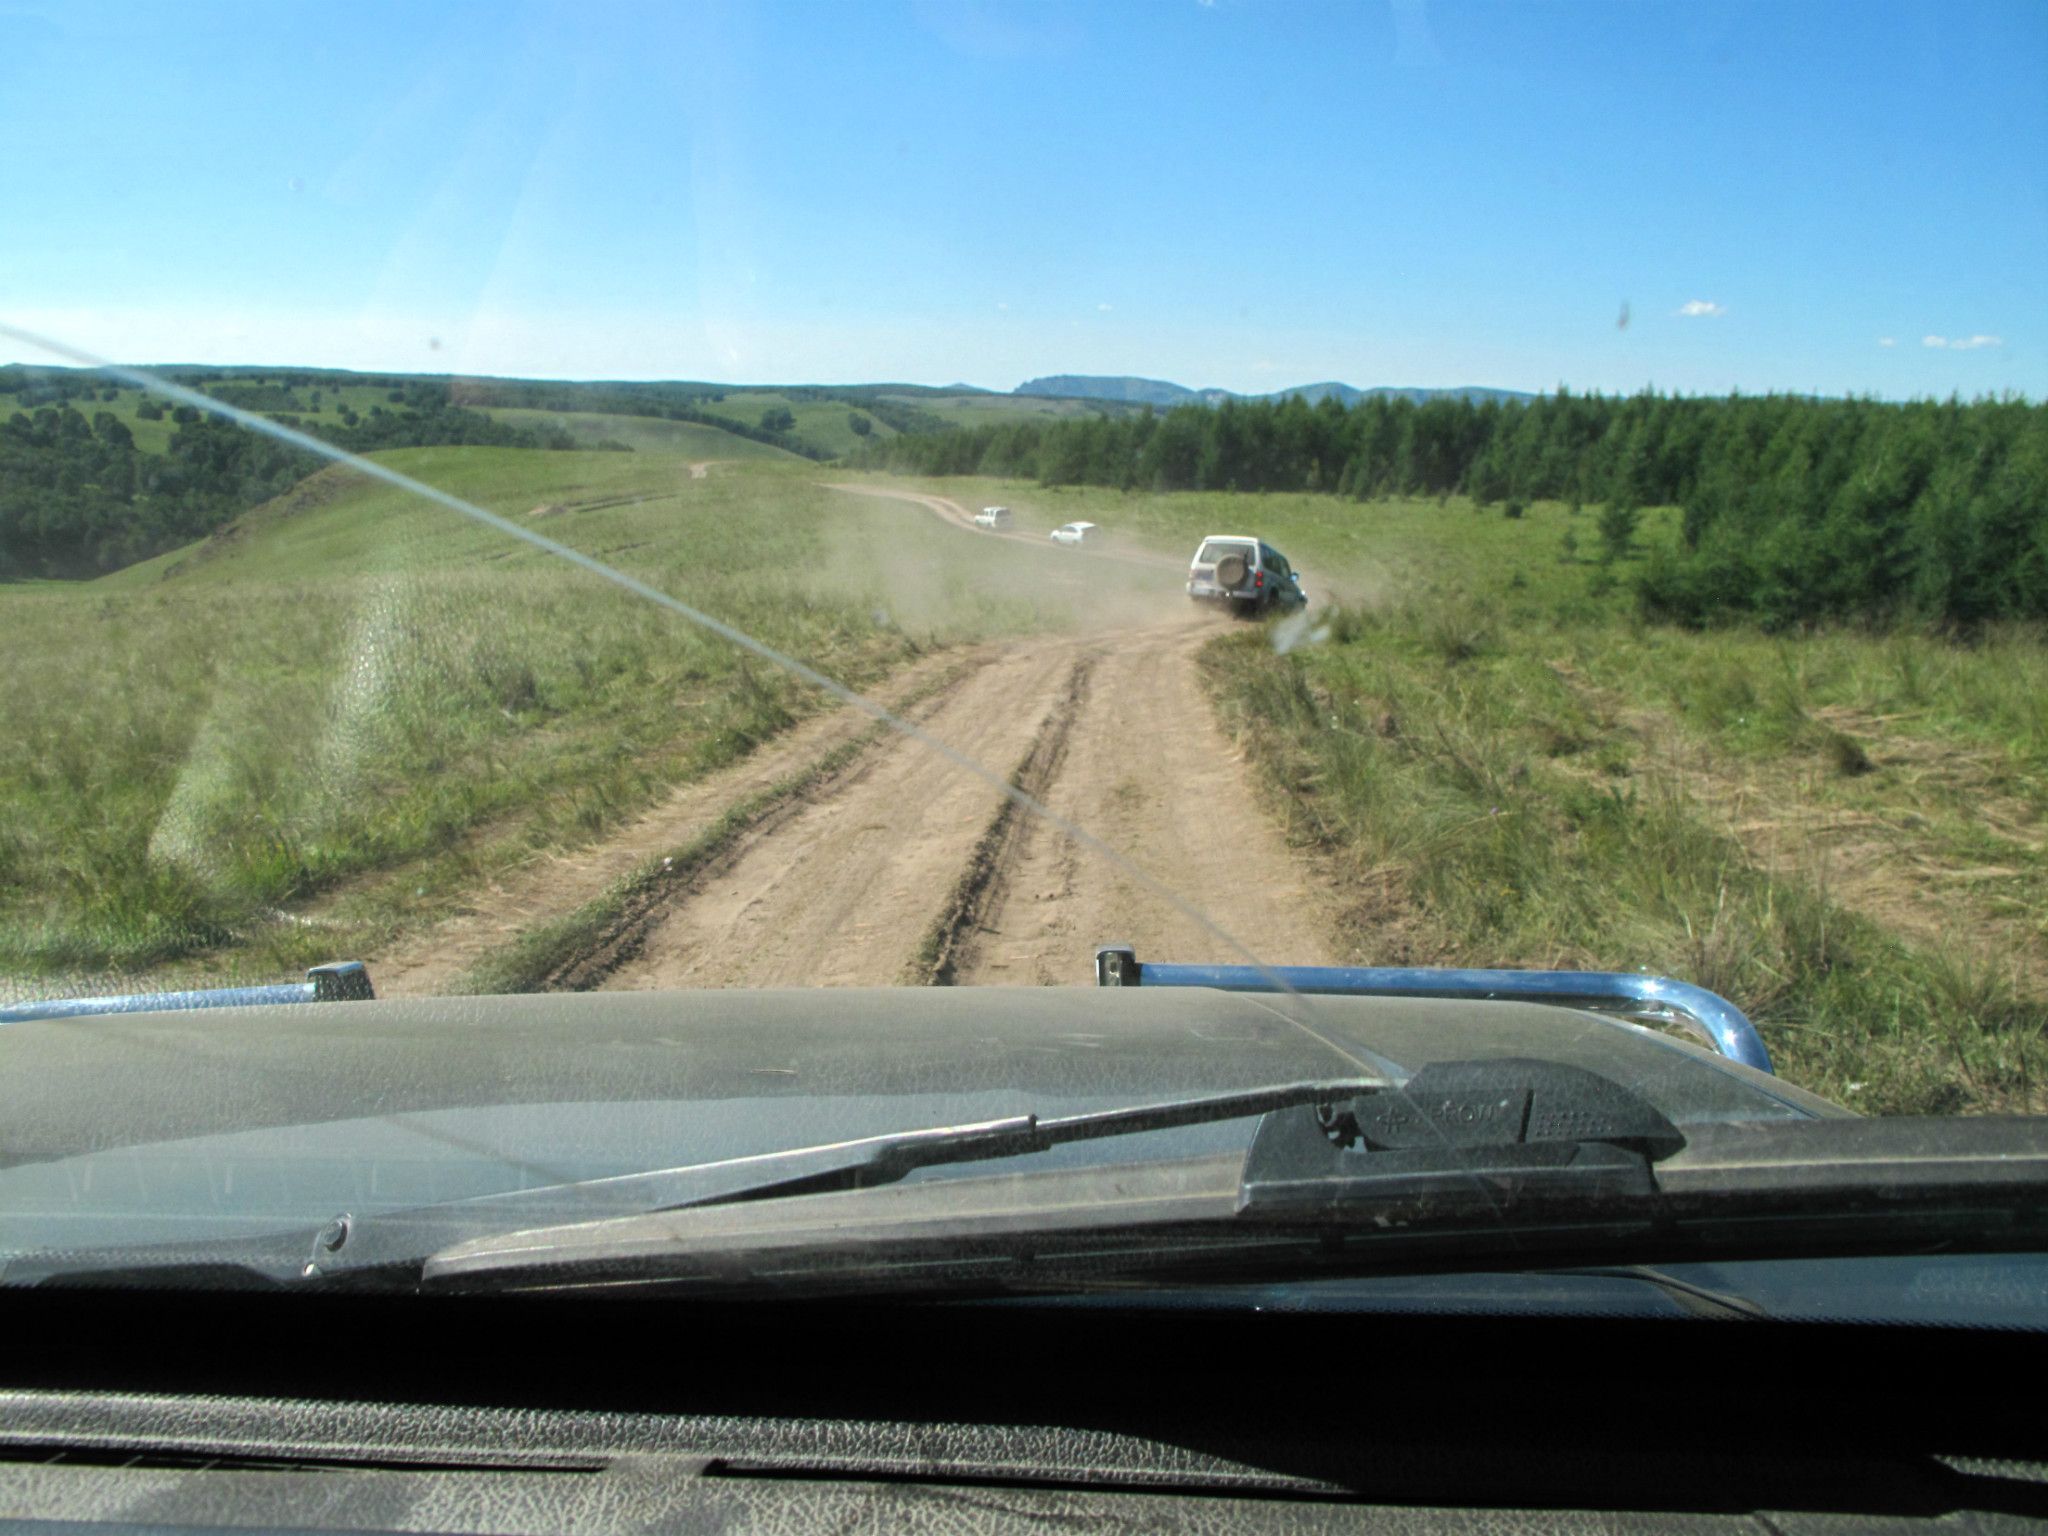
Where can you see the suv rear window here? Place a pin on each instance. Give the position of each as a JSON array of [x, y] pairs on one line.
[[1215, 549]]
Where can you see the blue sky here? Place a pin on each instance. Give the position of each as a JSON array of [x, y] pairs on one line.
[[1246, 193]]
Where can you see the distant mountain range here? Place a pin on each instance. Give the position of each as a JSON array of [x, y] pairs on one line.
[[1132, 391]]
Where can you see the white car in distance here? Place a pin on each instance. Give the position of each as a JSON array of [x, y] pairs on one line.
[[1074, 533], [993, 517]]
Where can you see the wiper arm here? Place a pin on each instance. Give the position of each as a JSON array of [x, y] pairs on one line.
[[885, 1159]]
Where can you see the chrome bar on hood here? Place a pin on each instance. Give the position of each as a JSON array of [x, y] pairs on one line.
[[343, 981], [1716, 1021]]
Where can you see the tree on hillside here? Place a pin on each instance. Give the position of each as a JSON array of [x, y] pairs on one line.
[[860, 425], [778, 418], [1617, 529], [1487, 481]]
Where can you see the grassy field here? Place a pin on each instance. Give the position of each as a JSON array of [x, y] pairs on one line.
[[359, 695], [353, 696], [646, 434], [1500, 762], [825, 423]]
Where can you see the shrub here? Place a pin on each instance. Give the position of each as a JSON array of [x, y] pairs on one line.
[[1617, 525]]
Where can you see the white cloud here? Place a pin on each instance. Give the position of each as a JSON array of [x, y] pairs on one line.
[[1887, 341], [1105, 308], [1933, 341], [1699, 308], [1971, 343]]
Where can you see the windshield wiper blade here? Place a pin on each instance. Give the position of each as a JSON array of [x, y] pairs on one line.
[[1456, 1134], [884, 1159], [401, 1239], [377, 1246], [1470, 1162]]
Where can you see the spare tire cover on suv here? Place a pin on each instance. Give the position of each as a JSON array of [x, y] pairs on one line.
[[1230, 570]]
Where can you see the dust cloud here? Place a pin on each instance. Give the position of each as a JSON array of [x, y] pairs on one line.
[[923, 567]]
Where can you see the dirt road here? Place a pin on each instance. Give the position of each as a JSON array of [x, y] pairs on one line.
[[902, 866]]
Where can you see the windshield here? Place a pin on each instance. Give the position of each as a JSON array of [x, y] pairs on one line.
[[555, 506]]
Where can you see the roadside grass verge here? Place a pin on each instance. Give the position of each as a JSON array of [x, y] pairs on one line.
[[1440, 783]]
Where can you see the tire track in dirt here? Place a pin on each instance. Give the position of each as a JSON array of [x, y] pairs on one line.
[[983, 885], [432, 959], [1147, 769], [918, 870], [843, 892], [913, 868]]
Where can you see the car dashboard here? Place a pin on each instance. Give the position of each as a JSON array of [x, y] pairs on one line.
[[180, 1410]]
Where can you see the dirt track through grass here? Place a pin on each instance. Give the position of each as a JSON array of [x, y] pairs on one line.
[[903, 864], [853, 888]]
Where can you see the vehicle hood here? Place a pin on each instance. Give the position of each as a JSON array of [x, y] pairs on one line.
[[77, 1085], [159, 1127]]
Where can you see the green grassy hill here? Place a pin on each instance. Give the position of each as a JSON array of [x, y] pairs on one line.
[[347, 679], [352, 694], [646, 434], [153, 436], [825, 423], [822, 417]]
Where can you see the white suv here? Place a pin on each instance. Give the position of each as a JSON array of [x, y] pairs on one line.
[[1247, 573], [992, 517]]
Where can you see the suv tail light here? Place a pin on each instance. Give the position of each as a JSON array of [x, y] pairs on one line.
[[1259, 580]]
